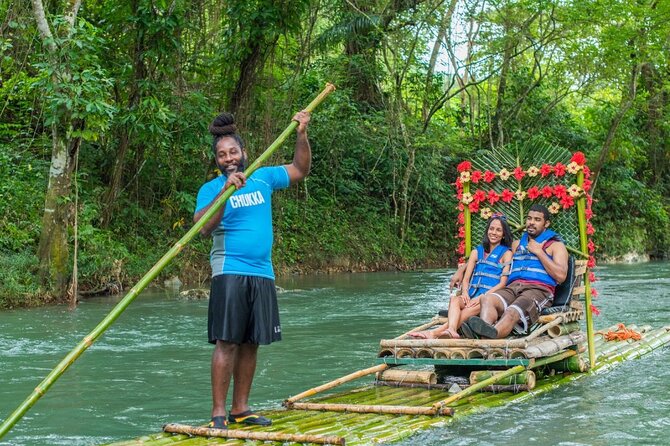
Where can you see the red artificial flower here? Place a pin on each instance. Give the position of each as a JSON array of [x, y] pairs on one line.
[[579, 158], [592, 276], [559, 169], [458, 184], [590, 230], [461, 232], [519, 173], [464, 166], [567, 201], [591, 262], [461, 206], [595, 310], [588, 213], [461, 248], [489, 176], [587, 171], [533, 192], [461, 260], [461, 218], [507, 195], [587, 185], [594, 293], [493, 197], [589, 201], [479, 196], [474, 206], [591, 246], [560, 191], [476, 176], [547, 191], [545, 170]]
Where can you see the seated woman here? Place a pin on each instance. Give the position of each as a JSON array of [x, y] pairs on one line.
[[486, 271]]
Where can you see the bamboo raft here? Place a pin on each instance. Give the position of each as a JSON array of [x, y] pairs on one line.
[[365, 415]]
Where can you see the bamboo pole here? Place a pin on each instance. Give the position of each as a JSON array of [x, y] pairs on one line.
[[201, 431], [90, 338], [376, 408], [467, 223], [409, 376], [563, 329], [581, 216], [335, 383], [544, 328]]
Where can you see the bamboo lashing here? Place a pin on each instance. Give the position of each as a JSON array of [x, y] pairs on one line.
[[374, 408], [202, 431], [336, 382], [89, 339]]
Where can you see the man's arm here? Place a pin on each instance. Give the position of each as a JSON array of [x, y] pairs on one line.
[[556, 267], [302, 159], [236, 179]]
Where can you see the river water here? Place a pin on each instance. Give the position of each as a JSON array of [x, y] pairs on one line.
[[152, 366]]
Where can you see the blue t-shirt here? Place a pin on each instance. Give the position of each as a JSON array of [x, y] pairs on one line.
[[243, 241]]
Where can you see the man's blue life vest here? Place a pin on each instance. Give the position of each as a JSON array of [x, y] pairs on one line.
[[487, 270], [527, 266]]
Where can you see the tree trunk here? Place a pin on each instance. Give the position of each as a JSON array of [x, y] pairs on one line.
[[53, 252]]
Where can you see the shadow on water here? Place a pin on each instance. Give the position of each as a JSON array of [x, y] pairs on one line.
[[152, 365]]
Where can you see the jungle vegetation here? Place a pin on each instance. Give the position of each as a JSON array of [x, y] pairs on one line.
[[104, 108]]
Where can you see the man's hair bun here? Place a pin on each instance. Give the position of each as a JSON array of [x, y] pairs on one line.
[[223, 125]]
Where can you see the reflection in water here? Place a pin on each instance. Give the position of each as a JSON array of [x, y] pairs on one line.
[[152, 365]]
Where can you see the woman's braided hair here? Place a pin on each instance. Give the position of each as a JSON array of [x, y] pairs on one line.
[[224, 126]]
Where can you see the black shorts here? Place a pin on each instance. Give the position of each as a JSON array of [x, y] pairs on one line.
[[243, 310]]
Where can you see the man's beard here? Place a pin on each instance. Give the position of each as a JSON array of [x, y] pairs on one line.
[[240, 167]]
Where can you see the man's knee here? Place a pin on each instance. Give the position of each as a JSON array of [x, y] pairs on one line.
[[226, 347]]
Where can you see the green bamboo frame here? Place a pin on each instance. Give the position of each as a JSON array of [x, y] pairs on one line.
[[90, 338], [581, 216]]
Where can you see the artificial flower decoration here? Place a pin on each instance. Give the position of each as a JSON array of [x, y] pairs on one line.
[[476, 176], [519, 173], [595, 309], [559, 169], [573, 167], [575, 191], [560, 191], [467, 198], [533, 192], [486, 213], [492, 197], [545, 170], [507, 195], [461, 218], [489, 176], [579, 158], [587, 184], [504, 174], [520, 195], [465, 176], [479, 196], [547, 191], [464, 166], [533, 171], [474, 206], [567, 201], [554, 208]]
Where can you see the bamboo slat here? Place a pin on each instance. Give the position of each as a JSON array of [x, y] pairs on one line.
[[409, 376], [455, 343], [558, 320], [552, 346], [251, 435], [360, 408], [526, 377]]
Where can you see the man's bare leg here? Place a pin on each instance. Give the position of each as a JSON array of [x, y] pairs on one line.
[[507, 322], [223, 363], [243, 374], [491, 308]]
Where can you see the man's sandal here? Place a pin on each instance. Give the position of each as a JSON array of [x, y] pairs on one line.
[[218, 423], [482, 328], [250, 418]]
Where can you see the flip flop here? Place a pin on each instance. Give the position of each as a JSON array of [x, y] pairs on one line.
[[417, 335], [482, 328], [467, 332], [218, 423], [248, 417]]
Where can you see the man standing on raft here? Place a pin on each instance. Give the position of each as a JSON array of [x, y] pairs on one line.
[[539, 264], [243, 310]]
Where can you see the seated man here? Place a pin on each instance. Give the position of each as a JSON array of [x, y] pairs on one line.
[[539, 263]]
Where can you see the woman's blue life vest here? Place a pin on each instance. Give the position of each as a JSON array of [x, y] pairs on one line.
[[488, 270], [527, 266]]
